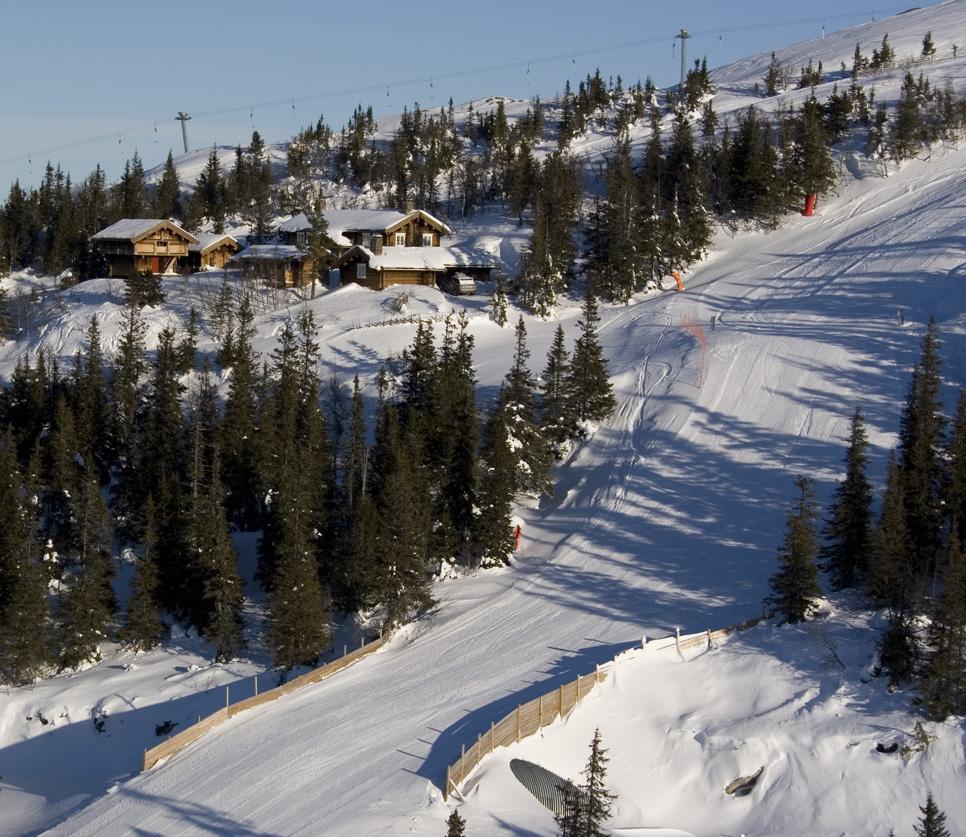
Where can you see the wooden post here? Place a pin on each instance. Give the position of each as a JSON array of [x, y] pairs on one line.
[[446, 786], [518, 723], [597, 673], [491, 736], [540, 722], [709, 638], [345, 650], [226, 697], [560, 702], [256, 685], [479, 738], [462, 761]]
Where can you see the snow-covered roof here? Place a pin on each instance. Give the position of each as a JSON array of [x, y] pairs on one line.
[[131, 229], [207, 241], [270, 252], [423, 258], [297, 223], [342, 221]]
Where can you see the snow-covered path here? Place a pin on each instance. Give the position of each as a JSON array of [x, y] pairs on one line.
[[668, 516]]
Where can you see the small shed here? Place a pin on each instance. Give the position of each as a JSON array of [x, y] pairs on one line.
[[134, 245], [212, 251], [383, 266], [276, 265]]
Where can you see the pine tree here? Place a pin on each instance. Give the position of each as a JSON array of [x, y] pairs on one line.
[[492, 539], [23, 605], [942, 685], [210, 191], [795, 585], [813, 163], [142, 625], [456, 825], [166, 198], [557, 417], [848, 530], [498, 305], [143, 289], [928, 47], [955, 499], [517, 397], [588, 381], [128, 368], [888, 567], [921, 447], [905, 135], [587, 806], [773, 79], [933, 821]]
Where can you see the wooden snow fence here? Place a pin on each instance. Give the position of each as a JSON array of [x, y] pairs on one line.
[[191, 734], [530, 718]]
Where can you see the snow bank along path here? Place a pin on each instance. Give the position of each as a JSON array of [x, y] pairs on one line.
[[668, 516]]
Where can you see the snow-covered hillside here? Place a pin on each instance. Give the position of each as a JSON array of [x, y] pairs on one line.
[[669, 516]]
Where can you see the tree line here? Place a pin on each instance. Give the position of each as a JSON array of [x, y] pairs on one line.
[[909, 559], [140, 454]]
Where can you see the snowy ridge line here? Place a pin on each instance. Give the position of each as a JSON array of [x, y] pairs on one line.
[[187, 736], [529, 718], [411, 319]]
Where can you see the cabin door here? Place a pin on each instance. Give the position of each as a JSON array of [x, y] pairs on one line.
[[155, 264]]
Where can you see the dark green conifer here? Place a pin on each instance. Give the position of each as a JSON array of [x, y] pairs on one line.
[[143, 628], [456, 825], [795, 585], [556, 403], [492, 540], [955, 500], [593, 398], [933, 821], [166, 198], [587, 806], [942, 685], [848, 531]]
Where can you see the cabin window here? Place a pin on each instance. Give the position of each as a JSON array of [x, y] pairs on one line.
[[401, 239], [360, 270], [367, 239], [427, 239], [161, 245]]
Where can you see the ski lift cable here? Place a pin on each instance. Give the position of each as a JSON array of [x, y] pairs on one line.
[[469, 72]]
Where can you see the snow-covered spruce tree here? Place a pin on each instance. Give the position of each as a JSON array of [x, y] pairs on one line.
[[814, 168], [92, 408], [221, 586], [773, 79], [518, 404], [142, 628], [848, 530], [548, 258], [921, 431], [933, 821], [588, 381], [24, 618], [651, 200], [239, 432], [928, 47], [499, 303], [587, 806], [143, 289], [456, 825], [400, 581], [942, 681], [492, 539], [614, 259], [297, 473], [87, 606], [557, 419], [795, 585], [687, 221], [905, 135], [458, 478], [888, 564]]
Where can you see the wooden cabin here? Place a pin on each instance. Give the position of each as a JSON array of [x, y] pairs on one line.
[[135, 245], [379, 267], [276, 265], [212, 251], [349, 227]]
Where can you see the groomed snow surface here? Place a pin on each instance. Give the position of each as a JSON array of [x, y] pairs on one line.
[[669, 515]]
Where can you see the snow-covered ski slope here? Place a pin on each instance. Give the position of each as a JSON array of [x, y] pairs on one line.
[[668, 516]]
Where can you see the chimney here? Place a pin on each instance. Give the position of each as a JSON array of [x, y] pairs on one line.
[[377, 245], [408, 205]]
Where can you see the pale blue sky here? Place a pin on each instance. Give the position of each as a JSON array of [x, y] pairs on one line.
[[75, 70]]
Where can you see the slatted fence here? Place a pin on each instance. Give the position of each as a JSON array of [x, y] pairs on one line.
[[530, 718], [187, 736]]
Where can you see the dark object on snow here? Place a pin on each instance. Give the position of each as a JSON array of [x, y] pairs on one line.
[[887, 748], [99, 724], [165, 728], [744, 785], [547, 787]]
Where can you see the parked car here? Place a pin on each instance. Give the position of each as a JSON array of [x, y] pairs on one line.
[[458, 284]]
